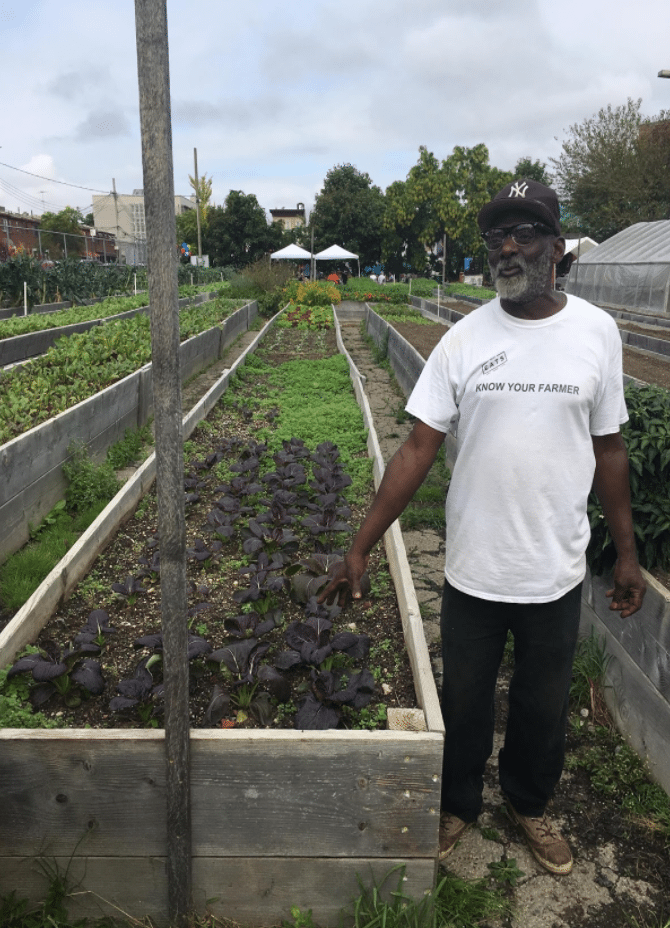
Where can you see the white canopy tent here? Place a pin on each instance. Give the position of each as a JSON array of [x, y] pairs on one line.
[[335, 253], [291, 253], [579, 246]]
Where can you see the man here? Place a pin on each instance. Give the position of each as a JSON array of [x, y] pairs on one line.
[[532, 385]]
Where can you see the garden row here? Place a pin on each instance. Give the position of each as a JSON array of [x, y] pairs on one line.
[[89, 389], [77, 281], [61, 316], [643, 341], [84, 363], [279, 818], [36, 340]]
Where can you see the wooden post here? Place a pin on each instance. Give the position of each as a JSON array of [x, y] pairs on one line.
[[154, 87], [197, 208]]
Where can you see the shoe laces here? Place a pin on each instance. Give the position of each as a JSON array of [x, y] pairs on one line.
[[545, 827]]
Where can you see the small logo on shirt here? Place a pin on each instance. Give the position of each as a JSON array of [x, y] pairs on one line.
[[494, 362]]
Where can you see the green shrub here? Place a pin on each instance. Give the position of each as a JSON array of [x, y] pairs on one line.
[[89, 483], [312, 293], [129, 449], [647, 438]]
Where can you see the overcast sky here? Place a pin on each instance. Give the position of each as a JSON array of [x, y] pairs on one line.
[[274, 93]]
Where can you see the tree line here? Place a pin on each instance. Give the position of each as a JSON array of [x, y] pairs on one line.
[[613, 170]]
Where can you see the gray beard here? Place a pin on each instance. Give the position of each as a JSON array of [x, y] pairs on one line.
[[527, 286]]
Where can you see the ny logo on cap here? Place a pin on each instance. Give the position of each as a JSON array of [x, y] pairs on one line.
[[518, 190]]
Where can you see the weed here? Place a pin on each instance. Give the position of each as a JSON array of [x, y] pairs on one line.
[[617, 773], [299, 919], [370, 717], [142, 509], [93, 589], [490, 834], [88, 483], [17, 712], [589, 673], [505, 872], [426, 510], [380, 352], [401, 414], [508, 651], [129, 449], [454, 902]]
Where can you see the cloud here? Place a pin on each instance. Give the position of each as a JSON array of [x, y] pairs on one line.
[[103, 124], [240, 115]]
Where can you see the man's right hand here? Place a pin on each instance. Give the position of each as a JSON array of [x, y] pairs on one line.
[[403, 476], [346, 580]]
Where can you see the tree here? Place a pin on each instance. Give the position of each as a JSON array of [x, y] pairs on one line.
[[238, 232], [614, 170], [348, 212], [438, 201], [187, 230], [533, 170], [62, 234], [203, 193]]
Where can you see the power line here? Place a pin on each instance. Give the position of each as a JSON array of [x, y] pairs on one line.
[[32, 201], [50, 179]]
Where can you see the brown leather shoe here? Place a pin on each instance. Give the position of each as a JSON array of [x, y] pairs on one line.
[[452, 829], [547, 844]]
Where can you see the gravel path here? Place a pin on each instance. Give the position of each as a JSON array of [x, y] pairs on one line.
[[599, 893]]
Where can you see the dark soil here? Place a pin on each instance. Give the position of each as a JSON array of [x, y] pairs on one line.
[[643, 365], [213, 583]]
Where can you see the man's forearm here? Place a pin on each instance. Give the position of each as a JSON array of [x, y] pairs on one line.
[[612, 487], [403, 476]]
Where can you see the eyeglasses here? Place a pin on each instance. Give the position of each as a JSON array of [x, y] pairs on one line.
[[522, 234]]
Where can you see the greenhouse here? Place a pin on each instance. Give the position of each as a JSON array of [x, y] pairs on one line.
[[629, 271]]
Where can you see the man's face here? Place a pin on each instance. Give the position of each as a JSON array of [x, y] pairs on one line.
[[522, 273]]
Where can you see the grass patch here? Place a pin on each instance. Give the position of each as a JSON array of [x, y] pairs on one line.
[[23, 572], [454, 902], [91, 486]]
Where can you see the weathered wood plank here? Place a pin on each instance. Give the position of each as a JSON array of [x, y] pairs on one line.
[[371, 795], [645, 636], [640, 713], [250, 891]]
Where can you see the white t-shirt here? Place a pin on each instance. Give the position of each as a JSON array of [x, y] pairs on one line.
[[524, 398]]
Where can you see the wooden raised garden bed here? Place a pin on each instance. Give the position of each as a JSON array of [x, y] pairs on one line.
[[279, 818]]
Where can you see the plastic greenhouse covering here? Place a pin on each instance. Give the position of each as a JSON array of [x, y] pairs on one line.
[[631, 270]]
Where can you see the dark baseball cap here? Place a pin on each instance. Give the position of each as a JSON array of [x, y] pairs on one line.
[[524, 196]]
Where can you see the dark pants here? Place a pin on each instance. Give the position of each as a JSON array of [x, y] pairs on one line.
[[530, 764]]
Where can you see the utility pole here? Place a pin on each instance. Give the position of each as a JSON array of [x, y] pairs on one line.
[[158, 167], [313, 262], [197, 205], [116, 215]]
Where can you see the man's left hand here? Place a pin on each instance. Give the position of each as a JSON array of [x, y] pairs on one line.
[[629, 587]]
